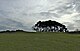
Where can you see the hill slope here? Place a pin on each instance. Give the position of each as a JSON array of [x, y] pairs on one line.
[[22, 41]]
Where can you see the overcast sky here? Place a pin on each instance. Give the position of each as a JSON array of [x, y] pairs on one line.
[[23, 14]]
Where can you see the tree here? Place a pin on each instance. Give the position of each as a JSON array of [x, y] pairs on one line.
[[49, 26]]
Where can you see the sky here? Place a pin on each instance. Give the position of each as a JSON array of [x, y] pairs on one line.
[[23, 14]]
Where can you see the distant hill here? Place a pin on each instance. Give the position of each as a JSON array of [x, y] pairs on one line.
[[73, 32], [8, 31], [13, 31]]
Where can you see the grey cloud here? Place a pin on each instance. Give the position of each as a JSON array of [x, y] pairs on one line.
[[6, 23], [77, 23], [76, 3], [25, 13], [48, 14], [63, 9], [70, 26]]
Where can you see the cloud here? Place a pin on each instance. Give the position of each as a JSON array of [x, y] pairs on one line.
[[8, 24], [24, 14]]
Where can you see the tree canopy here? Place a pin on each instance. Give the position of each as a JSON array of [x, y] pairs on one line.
[[49, 26]]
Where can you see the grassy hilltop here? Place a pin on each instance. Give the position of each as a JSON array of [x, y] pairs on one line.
[[46, 41]]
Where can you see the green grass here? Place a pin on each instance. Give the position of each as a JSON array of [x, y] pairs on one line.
[[21, 41]]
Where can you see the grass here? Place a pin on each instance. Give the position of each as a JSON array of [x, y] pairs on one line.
[[21, 41]]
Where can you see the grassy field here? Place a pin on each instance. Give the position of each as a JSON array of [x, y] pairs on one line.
[[21, 41]]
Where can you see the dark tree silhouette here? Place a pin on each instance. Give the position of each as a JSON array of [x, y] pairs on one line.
[[49, 26]]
